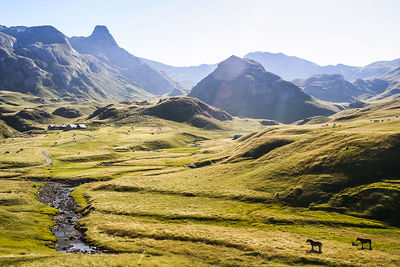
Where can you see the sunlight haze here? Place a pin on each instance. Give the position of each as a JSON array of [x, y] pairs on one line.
[[179, 32]]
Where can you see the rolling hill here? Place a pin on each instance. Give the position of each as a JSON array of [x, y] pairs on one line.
[[178, 109]]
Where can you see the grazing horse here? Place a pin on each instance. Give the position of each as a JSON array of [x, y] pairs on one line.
[[364, 241], [315, 243]]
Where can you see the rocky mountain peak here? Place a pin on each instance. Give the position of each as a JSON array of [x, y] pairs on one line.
[[235, 66], [102, 36]]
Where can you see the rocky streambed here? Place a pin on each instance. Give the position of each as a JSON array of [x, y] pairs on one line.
[[69, 239]]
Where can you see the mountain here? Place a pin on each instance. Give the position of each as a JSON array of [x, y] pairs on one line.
[[190, 76], [102, 46], [290, 68], [44, 62], [377, 69], [391, 85], [242, 87], [40, 61], [333, 88]]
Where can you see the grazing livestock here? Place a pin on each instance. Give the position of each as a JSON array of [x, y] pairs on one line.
[[315, 243], [364, 241]]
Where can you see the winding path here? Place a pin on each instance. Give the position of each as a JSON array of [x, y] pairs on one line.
[[47, 158], [50, 160]]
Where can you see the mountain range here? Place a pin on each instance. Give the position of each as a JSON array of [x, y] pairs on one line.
[[287, 67], [43, 61], [290, 67], [334, 88]]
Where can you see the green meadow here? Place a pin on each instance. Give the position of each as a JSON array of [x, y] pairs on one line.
[[162, 193]]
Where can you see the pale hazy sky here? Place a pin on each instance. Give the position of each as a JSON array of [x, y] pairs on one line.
[[192, 32]]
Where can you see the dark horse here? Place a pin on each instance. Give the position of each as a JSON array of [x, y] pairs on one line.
[[364, 241], [315, 243]]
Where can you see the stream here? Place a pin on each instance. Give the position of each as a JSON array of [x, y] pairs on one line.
[[69, 239]]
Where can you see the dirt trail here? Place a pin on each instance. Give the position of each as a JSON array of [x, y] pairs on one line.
[[50, 160]]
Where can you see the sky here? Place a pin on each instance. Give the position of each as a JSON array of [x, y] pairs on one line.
[[193, 32]]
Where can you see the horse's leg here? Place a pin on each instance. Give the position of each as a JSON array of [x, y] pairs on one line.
[[370, 245]]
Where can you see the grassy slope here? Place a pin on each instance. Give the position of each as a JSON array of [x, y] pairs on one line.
[[25, 222], [5, 131], [158, 211]]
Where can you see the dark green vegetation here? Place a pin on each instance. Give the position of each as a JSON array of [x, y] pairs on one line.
[[162, 192], [242, 87]]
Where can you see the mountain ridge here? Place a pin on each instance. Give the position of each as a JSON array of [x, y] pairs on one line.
[[103, 47], [41, 61]]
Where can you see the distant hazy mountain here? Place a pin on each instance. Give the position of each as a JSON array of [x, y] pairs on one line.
[[392, 89], [287, 67], [334, 88], [290, 68], [103, 47], [190, 76], [378, 69], [242, 87]]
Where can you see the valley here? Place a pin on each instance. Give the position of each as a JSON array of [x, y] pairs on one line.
[[167, 192], [108, 158]]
